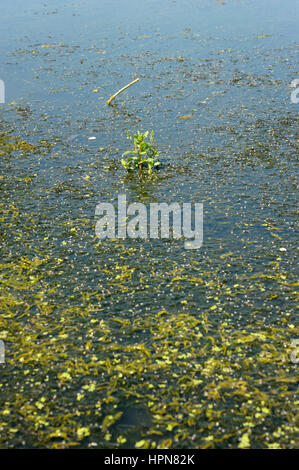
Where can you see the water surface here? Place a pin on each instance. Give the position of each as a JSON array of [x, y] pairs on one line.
[[128, 342]]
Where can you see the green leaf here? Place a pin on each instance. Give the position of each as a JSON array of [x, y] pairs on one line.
[[127, 152], [145, 152]]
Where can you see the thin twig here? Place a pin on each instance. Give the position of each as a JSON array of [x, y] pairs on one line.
[[119, 91]]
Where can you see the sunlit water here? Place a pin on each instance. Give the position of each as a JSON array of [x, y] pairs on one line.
[[84, 339]]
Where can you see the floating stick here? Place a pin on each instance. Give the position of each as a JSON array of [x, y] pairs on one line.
[[119, 91]]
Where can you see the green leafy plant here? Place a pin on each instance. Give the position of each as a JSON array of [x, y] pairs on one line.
[[144, 153]]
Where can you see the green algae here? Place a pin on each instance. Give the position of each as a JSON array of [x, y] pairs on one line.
[[13, 146], [201, 381], [117, 343]]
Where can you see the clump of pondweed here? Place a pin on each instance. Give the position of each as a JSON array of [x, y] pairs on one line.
[[144, 153]]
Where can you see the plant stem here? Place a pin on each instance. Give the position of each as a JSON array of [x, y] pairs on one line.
[[139, 155], [119, 91]]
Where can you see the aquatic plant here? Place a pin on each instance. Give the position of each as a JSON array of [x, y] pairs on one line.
[[144, 153], [11, 145]]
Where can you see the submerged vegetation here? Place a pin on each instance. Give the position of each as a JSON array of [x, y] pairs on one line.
[[158, 380], [180, 377], [11, 145], [139, 343]]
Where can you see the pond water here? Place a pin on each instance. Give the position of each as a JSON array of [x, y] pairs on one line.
[[124, 343]]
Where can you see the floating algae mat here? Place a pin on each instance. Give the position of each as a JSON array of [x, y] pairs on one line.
[[124, 343]]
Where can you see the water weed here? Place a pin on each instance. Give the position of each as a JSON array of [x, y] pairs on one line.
[[144, 153]]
